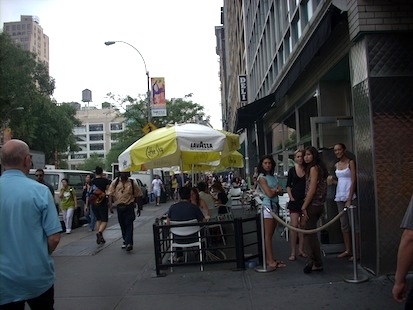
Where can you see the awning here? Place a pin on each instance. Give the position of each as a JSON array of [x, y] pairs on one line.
[[255, 110], [246, 115]]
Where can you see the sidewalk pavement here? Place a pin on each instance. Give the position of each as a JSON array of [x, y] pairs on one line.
[[91, 276]]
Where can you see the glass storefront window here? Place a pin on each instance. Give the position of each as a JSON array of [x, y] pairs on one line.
[[305, 112]]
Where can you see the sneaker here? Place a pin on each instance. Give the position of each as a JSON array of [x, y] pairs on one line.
[[129, 247], [123, 245]]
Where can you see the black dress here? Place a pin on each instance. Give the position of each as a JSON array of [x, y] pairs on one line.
[[297, 186]]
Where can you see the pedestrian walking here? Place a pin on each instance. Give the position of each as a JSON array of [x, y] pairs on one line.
[[39, 174], [68, 204], [90, 216], [157, 186], [29, 233], [99, 186], [125, 193]]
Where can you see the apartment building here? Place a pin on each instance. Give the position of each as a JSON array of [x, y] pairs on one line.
[[323, 72], [95, 135], [29, 35]]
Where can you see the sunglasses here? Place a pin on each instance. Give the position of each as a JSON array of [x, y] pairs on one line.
[[39, 175]]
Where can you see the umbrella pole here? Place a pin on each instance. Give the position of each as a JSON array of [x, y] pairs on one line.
[[182, 175]]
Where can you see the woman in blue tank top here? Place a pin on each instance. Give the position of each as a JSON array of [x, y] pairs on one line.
[[268, 184]]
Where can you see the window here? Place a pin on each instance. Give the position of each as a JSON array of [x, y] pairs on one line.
[[96, 147], [96, 127], [115, 126], [96, 137], [79, 156], [74, 179], [309, 109]]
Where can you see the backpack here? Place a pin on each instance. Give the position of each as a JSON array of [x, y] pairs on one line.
[[96, 196]]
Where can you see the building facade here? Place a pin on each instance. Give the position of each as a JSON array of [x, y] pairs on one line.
[[95, 135], [29, 35], [323, 72]]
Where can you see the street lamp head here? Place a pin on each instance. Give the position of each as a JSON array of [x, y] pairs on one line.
[[109, 42]]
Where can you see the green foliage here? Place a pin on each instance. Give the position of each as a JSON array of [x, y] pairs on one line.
[[179, 110], [25, 104], [91, 163]]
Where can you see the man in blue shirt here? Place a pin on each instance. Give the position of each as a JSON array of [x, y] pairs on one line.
[[29, 233]]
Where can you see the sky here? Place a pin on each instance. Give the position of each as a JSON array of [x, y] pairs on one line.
[[176, 39]]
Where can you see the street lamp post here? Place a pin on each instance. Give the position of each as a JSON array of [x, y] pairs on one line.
[[148, 93]]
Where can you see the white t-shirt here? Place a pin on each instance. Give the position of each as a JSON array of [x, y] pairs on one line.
[[156, 184]]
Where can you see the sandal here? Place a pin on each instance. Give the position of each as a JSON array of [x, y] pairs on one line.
[[344, 254], [302, 254], [280, 264], [292, 258]]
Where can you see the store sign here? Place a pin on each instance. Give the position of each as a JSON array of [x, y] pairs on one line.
[[243, 93]]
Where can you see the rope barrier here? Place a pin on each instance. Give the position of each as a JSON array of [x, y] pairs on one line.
[[305, 231]]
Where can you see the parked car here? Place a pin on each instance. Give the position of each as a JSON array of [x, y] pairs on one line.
[[144, 190], [76, 180]]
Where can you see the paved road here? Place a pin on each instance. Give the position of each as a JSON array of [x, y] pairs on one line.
[[106, 277]]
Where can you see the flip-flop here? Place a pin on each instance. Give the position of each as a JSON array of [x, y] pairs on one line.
[[292, 258], [303, 255], [280, 264]]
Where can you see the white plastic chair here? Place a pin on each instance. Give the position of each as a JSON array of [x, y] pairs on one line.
[[214, 217], [183, 232], [235, 192], [228, 215]]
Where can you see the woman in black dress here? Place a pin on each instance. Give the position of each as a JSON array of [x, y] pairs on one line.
[[296, 194]]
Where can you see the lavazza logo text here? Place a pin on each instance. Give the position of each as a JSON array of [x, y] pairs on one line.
[[201, 145]]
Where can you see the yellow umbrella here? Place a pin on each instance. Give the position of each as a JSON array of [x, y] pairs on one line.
[[177, 145], [233, 160]]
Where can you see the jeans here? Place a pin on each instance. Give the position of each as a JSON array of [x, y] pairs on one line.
[[126, 216], [91, 219], [43, 302]]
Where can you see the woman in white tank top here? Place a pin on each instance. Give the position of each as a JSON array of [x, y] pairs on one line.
[[345, 194]]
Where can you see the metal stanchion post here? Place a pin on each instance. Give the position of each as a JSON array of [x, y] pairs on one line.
[[356, 278], [264, 267]]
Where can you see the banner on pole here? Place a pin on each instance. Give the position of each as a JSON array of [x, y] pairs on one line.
[[158, 100]]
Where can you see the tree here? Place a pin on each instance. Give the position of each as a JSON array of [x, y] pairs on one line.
[[91, 163], [25, 104], [179, 110]]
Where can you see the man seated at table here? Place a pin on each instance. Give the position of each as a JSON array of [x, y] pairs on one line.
[[184, 210]]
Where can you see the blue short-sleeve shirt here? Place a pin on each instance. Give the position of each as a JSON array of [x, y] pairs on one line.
[[27, 217]]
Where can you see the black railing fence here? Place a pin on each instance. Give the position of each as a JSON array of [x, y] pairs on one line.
[[240, 242]]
